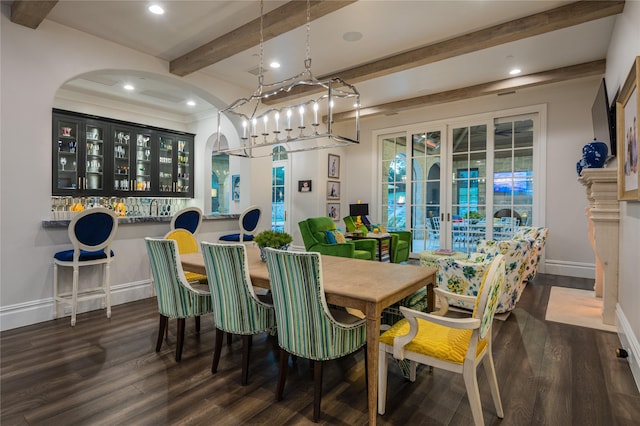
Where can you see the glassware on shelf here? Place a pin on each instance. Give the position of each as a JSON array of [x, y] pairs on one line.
[[147, 152], [63, 162]]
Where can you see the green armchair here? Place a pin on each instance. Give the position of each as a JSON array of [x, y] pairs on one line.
[[400, 241], [314, 238]]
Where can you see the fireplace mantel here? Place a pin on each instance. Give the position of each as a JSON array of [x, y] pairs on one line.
[[603, 213]]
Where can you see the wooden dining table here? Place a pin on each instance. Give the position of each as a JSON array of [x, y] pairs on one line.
[[360, 284]]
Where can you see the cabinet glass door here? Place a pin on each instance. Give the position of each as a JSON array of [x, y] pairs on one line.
[[166, 163], [67, 132], [142, 181], [122, 140], [94, 157], [184, 171]]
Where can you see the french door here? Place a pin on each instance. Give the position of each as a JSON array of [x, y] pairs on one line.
[[468, 181], [279, 190]]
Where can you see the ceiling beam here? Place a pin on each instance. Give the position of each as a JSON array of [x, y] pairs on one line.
[[279, 21], [499, 87], [518, 29], [30, 13]]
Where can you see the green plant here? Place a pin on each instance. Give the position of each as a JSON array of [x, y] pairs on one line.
[[473, 215], [273, 239]]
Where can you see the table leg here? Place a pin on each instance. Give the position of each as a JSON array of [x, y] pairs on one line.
[[373, 340]]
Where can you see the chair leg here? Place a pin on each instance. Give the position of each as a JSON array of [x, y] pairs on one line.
[[317, 390], [282, 378], [74, 296], [382, 380], [490, 371], [217, 350], [55, 290], [107, 288], [180, 341], [161, 329], [473, 393], [246, 349], [197, 324], [229, 339]]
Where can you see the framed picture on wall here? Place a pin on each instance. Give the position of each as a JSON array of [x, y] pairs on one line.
[[333, 210], [334, 166], [627, 124], [333, 190], [304, 186], [235, 187]]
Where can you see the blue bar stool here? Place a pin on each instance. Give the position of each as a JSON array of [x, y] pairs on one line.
[[91, 233], [249, 220]]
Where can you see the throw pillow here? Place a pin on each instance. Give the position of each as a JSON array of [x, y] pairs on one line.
[[340, 238], [330, 237]]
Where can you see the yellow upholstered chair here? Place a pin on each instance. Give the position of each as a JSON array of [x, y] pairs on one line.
[[187, 243], [454, 344]]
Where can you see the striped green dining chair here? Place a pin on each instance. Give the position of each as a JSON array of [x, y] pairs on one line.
[[177, 298], [236, 307], [307, 327], [458, 345]]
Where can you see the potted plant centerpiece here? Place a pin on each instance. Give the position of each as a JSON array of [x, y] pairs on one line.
[[273, 239]]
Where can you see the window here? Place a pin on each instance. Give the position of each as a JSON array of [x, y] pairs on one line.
[[278, 189]]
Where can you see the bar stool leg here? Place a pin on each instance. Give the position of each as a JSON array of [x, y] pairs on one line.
[[55, 290], [74, 296], [107, 288]]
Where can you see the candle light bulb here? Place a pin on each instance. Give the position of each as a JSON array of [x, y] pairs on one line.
[[253, 126], [301, 110], [277, 120], [289, 113], [265, 119], [244, 128], [315, 113]]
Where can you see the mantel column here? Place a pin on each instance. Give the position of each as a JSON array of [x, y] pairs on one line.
[[603, 213]]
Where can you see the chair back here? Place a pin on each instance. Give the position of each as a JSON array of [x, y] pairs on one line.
[[236, 308], [187, 242], [174, 300], [489, 293], [93, 230], [188, 218], [249, 220], [306, 328]]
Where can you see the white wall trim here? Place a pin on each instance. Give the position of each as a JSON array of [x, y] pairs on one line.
[[569, 269], [629, 343], [35, 311]]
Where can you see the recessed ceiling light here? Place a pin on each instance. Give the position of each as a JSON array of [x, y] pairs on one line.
[[352, 36], [191, 103], [128, 87], [156, 9], [274, 64], [515, 71]]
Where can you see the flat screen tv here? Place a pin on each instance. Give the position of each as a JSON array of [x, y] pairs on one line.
[[604, 119]]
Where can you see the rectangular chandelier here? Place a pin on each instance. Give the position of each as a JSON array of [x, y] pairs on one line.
[[304, 125]]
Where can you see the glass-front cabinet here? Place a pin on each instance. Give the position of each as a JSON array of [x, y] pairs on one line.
[[93, 156]]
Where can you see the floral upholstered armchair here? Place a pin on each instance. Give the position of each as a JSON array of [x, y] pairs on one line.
[[465, 276], [538, 235]]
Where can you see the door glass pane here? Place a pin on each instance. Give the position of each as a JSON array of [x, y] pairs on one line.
[[67, 164], [425, 191], [142, 181], [165, 163], [94, 157], [513, 177], [220, 193], [184, 172], [121, 159]]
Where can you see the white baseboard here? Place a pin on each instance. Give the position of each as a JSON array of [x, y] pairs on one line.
[[568, 269], [35, 311], [629, 343]]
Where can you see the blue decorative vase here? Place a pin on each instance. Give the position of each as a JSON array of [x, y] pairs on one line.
[[594, 156]]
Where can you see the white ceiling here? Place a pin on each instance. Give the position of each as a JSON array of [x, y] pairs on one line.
[[387, 27]]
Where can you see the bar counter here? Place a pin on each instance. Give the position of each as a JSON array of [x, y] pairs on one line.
[[64, 223]]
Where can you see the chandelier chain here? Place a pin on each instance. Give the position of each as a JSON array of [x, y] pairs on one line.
[[261, 69], [307, 61]]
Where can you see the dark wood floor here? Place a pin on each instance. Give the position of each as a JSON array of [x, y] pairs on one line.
[[106, 372]]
